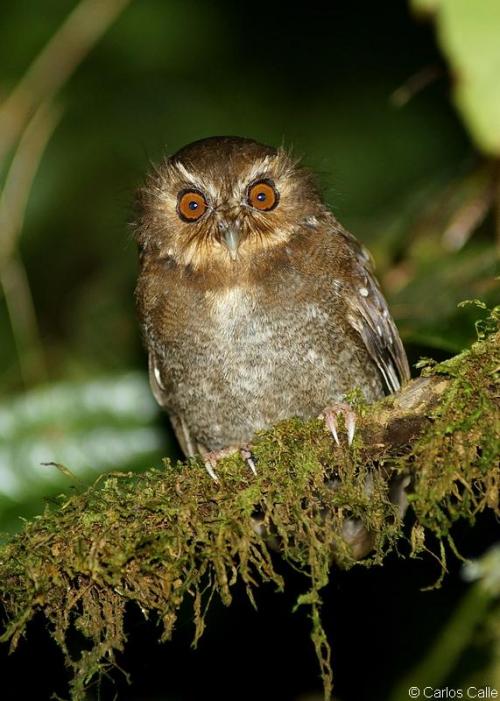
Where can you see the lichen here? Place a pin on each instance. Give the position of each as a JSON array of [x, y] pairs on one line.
[[158, 537]]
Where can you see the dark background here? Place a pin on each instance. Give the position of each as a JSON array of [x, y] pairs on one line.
[[325, 79]]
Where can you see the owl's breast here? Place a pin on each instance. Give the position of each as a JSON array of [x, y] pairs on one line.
[[240, 319], [247, 360]]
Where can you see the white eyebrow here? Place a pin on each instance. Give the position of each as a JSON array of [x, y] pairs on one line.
[[194, 179], [258, 168], [185, 172]]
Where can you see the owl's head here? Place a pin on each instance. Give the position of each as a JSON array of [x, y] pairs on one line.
[[222, 201]]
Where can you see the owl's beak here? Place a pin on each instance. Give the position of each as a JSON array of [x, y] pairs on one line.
[[231, 238]]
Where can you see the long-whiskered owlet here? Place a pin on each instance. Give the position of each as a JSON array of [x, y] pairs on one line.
[[256, 305]]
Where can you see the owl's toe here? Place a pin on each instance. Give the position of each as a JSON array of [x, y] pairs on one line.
[[247, 456], [330, 415], [211, 459]]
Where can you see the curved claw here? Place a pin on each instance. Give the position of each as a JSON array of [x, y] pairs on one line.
[[210, 464], [248, 458], [330, 415]]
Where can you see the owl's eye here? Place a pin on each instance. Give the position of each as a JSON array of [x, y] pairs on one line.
[[191, 205], [263, 195]]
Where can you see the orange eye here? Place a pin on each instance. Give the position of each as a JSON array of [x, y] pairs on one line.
[[191, 205], [263, 195]]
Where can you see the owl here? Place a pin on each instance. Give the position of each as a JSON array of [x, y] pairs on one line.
[[255, 304]]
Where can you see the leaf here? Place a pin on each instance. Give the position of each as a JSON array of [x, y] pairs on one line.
[[83, 428], [468, 32]]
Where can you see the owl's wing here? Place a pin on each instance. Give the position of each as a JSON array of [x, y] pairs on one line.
[[368, 314], [160, 393]]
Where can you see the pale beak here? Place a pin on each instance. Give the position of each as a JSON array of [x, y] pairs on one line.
[[232, 240]]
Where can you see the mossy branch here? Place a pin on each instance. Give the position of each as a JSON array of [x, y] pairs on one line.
[[156, 537]]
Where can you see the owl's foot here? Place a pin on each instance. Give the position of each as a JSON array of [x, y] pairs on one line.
[[212, 458], [330, 416]]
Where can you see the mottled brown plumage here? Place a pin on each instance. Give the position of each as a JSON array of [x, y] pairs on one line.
[[255, 304]]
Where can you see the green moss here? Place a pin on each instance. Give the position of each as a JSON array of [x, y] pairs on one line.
[[457, 457], [159, 537]]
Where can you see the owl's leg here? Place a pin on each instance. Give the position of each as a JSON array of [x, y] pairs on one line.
[[212, 458], [330, 415]]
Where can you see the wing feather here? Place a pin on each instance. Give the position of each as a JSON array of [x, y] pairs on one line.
[[368, 314], [160, 393]]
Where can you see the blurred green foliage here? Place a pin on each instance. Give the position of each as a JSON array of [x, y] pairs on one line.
[[475, 620], [468, 33], [54, 438]]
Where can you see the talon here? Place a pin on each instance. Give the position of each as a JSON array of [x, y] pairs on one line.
[[330, 415], [210, 463], [248, 458], [350, 424], [331, 422]]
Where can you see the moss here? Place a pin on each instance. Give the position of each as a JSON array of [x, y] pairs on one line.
[[457, 456], [159, 537]]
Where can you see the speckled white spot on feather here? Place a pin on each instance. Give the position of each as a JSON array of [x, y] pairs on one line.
[[311, 221]]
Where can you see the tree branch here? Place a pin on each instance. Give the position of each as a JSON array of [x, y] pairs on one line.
[[154, 538]]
